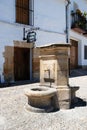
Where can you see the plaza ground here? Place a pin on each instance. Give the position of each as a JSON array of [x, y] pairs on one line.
[[14, 116]]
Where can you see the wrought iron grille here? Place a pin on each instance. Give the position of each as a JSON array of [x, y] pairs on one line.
[[78, 21]]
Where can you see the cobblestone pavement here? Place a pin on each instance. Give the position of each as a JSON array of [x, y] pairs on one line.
[[14, 116]]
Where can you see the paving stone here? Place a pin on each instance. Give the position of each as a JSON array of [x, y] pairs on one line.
[[13, 111]]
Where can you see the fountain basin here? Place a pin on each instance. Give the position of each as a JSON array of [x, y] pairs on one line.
[[40, 98]]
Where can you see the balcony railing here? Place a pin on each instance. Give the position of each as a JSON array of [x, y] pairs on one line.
[[78, 21]]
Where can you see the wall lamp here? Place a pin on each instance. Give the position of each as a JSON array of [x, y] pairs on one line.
[[29, 35]]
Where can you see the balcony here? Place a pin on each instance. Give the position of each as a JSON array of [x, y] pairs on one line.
[[79, 21]]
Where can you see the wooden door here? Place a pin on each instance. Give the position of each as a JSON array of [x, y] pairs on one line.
[[21, 64], [74, 54]]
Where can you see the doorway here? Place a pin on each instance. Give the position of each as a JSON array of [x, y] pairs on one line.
[[73, 54], [21, 64]]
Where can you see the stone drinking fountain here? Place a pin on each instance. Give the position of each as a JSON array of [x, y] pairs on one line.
[[54, 92]]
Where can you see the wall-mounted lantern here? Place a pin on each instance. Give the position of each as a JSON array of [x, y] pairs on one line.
[[30, 36]]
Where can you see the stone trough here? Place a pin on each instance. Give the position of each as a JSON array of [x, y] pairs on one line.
[[40, 98]]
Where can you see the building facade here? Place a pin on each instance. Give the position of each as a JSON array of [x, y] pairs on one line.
[[18, 58], [16, 54], [78, 32]]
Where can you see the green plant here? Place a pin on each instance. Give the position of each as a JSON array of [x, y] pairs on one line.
[[81, 21]]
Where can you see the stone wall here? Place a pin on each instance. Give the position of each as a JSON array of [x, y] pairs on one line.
[[8, 67], [36, 64], [9, 59], [60, 51], [8, 71]]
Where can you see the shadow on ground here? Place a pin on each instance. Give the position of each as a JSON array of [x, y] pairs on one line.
[[78, 72], [18, 83], [73, 73], [78, 102]]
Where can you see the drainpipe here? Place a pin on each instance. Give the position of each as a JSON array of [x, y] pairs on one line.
[[67, 30], [0, 78], [67, 21], [30, 64]]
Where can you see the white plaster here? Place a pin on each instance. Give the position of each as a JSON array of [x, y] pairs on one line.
[[81, 4], [47, 37], [7, 10], [50, 15]]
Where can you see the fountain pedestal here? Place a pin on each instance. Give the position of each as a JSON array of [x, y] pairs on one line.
[[54, 71]]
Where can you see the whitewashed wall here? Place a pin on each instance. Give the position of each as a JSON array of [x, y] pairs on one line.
[[49, 16], [44, 37], [7, 10], [81, 4]]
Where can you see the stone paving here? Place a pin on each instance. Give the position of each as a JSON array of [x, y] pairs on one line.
[[14, 116]]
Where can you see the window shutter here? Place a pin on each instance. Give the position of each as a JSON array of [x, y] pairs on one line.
[[22, 11]]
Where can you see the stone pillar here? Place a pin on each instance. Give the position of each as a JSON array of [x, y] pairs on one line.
[[54, 72]]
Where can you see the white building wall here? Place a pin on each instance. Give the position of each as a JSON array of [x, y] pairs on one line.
[[79, 4], [45, 37], [7, 10], [49, 16]]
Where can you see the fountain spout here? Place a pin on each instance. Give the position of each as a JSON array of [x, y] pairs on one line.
[[48, 71]]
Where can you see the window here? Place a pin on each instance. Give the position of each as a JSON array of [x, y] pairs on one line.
[[85, 52], [24, 12]]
